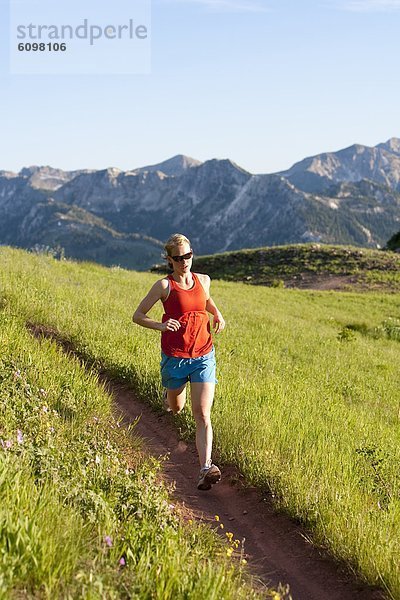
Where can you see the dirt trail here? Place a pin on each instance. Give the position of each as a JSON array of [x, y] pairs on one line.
[[277, 548], [314, 281]]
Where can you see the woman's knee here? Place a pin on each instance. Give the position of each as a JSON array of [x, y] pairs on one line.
[[202, 415]]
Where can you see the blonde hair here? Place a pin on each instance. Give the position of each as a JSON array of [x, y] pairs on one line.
[[177, 239]]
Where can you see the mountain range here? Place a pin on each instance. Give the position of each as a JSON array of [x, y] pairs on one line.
[[351, 196]]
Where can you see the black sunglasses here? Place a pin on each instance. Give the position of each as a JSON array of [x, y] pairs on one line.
[[182, 257]]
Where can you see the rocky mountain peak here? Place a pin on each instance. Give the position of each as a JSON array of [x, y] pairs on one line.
[[223, 165], [8, 174], [173, 167], [392, 145], [113, 171], [354, 163], [29, 171], [47, 178]]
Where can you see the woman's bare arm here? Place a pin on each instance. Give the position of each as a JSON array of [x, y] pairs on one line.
[[218, 320], [211, 307], [157, 292]]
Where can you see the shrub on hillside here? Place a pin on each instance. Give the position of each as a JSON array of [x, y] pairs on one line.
[[394, 242]]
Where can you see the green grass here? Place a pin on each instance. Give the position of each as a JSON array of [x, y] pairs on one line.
[[281, 266], [308, 400], [77, 495]]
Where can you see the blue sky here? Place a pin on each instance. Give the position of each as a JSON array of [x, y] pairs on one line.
[[263, 82]]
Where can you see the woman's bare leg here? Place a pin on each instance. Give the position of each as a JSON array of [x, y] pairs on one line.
[[202, 395]]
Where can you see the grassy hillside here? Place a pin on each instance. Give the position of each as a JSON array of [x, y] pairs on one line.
[[308, 400], [306, 266]]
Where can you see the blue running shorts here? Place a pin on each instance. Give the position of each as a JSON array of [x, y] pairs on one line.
[[176, 371]]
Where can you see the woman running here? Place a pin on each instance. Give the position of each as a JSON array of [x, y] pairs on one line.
[[187, 351]]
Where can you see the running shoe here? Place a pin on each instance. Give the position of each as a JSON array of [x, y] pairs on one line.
[[208, 476]]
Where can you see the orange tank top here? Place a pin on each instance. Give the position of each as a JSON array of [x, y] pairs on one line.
[[193, 338]]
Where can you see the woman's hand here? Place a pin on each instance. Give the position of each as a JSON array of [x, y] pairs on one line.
[[170, 325], [218, 322]]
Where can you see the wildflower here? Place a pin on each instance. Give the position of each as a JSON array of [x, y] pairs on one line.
[[229, 535], [97, 459], [171, 506], [244, 561], [108, 541], [20, 437], [221, 525], [6, 444], [95, 419], [229, 552], [216, 517], [122, 562], [43, 392], [45, 409], [190, 521], [17, 374]]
